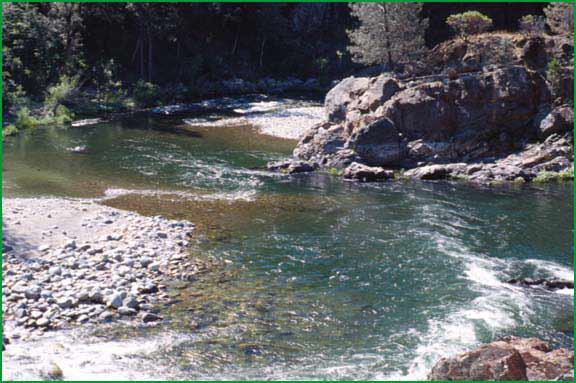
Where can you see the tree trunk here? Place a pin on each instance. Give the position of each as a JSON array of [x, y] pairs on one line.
[[150, 63], [262, 52], [388, 45]]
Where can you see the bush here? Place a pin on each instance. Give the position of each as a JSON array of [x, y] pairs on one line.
[[24, 119], [62, 115], [146, 94], [532, 26], [59, 93], [560, 17], [469, 23], [9, 130]]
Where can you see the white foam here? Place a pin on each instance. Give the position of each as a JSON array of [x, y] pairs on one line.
[[240, 195], [554, 269]]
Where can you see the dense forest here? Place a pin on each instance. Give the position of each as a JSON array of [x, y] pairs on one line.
[[137, 48]]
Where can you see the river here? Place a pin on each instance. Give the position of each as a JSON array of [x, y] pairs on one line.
[[325, 279]]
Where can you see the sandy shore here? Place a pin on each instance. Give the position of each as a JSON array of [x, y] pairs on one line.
[[69, 262], [288, 122]]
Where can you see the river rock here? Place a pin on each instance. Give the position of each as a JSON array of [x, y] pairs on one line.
[[559, 120], [509, 358], [116, 300], [150, 317], [359, 172]]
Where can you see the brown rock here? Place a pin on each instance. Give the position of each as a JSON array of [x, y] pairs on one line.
[[509, 358], [365, 173]]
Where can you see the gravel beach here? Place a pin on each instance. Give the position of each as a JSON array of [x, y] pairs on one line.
[[69, 262]]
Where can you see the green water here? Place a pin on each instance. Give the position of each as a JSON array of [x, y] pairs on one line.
[[324, 279]]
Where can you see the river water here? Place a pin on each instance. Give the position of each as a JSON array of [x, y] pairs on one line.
[[324, 279]]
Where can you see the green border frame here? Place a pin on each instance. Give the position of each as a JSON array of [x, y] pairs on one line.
[[257, 1]]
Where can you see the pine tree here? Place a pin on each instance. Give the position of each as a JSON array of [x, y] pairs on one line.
[[389, 33]]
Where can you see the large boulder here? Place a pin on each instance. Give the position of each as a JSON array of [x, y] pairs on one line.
[[339, 97], [510, 358], [364, 173], [559, 120], [477, 115]]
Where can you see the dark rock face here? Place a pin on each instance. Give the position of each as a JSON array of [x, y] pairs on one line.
[[550, 284], [509, 358]]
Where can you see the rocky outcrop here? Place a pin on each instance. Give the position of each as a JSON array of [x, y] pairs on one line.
[[498, 124], [509, 358]]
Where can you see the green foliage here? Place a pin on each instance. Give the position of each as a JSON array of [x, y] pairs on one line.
[[110, 91], [146, 94], [63, 115], [469, 23], [59, 94], [24, 119], [9, 130], [548, 176], [335, 172], [554, 75]]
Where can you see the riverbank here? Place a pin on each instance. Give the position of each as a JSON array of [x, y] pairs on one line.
[[69, 262]]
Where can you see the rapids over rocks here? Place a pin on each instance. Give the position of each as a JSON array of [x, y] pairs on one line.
[[319, 278]]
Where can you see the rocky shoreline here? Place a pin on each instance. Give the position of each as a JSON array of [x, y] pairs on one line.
[[85, 263], [484, 124]]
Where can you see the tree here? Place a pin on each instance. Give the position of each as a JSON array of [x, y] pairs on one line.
[[388, 33], [469, 23], [560, 17]]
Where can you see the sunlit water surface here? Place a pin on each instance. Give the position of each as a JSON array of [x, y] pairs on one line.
[[324, 279]]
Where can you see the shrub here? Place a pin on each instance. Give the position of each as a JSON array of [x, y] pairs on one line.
[[146, 94], [560, 17], [9, 130], [532, 26], [62, 115], [469, 23], [24, 119], [59, 93]]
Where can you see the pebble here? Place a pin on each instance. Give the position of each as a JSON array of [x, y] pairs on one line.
[[91, 268]]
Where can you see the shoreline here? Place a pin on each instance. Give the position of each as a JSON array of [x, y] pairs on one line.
[[85, 263]]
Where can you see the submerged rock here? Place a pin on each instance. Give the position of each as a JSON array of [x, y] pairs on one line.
[[550, 284], [509, 358]]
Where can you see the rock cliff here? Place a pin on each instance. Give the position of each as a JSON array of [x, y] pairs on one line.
[[483, 123]]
